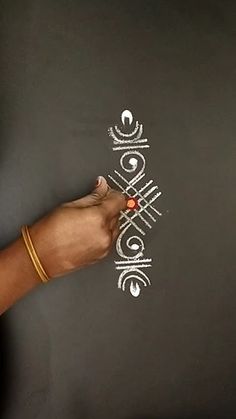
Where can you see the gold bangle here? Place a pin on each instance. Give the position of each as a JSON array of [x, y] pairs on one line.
[[33, 255]]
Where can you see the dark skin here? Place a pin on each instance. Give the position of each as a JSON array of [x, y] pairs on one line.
[[75, 234]]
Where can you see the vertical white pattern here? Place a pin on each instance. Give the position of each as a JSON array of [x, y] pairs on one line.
[[130, 247]]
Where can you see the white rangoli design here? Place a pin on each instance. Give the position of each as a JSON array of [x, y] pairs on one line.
[[129, 142]]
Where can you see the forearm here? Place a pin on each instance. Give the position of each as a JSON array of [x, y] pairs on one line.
[[17, 274], [73, 235]]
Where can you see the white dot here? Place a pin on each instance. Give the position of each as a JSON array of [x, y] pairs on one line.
[[133, 161], [126, 114], [134, 246], [134, 289]]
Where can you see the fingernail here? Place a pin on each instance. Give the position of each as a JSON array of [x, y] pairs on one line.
[[99, 181]]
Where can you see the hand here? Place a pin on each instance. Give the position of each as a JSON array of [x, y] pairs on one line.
[[80, 232]]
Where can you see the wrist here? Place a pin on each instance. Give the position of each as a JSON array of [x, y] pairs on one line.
[[45, 247], [17, 274]]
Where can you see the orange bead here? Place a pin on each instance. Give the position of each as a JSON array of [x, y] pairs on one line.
[[132, 203]]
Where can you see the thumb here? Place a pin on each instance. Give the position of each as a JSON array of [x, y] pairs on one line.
[[95, 197], [101, 188]]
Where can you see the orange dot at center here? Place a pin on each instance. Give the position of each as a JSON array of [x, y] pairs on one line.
[[132, 203]]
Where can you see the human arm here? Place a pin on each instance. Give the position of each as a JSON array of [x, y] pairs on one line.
[[75, 234]]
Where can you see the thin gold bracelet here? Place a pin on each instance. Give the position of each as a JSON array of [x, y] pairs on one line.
[[33, 255]]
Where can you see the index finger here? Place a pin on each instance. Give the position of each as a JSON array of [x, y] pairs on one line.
[[114, 203]]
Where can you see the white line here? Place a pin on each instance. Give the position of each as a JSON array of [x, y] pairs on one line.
[[129, 185], [125, 190], [138, 213], [142, 209], [117, 183], [145, 186], [142, 218], [151, 201], [154, 188], [133, 266], [140, 141], [147, 212], [132, 261], [130, 147], [131, 133], [115, 138], [138, 128], [134, 224], [132, 276], [134, 181], [141, 196], [127, 218], [130, 218]]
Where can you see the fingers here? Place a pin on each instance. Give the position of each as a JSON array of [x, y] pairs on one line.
[[114, 222], [101, 188], [115, 228], [115, 232], [114, 203], [95, 197], [111, 201]]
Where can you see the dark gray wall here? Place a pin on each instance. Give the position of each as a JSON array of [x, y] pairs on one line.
[[79, 348]]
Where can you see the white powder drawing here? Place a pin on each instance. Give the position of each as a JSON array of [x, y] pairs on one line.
[[131, 180]]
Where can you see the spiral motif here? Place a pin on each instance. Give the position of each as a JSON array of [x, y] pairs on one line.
[[133, 243], [130, 162]]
